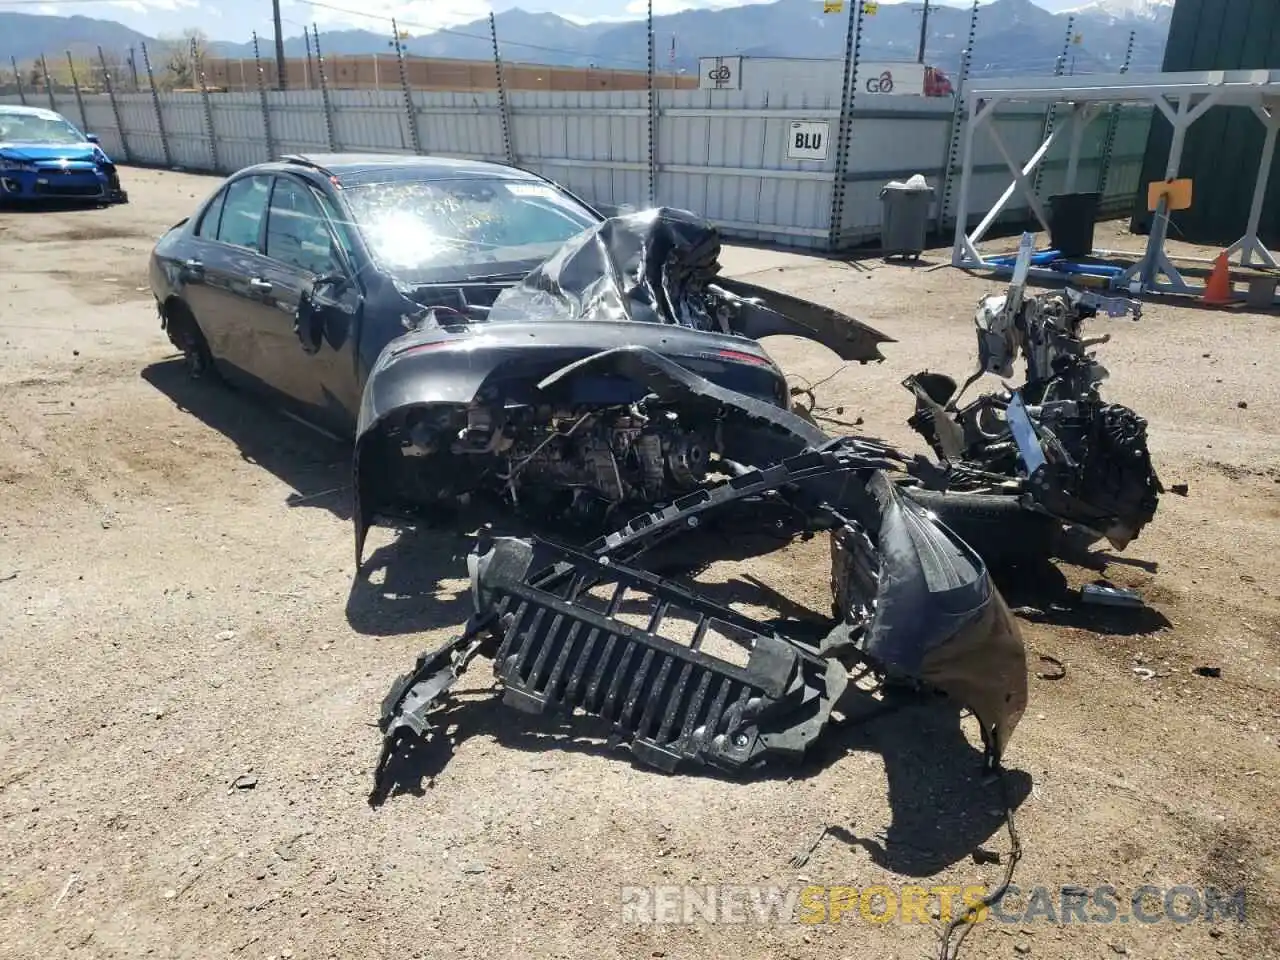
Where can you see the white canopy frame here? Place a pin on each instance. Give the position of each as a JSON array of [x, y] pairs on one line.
[[1181, 97]]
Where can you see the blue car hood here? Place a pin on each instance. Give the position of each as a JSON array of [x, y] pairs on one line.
[[36, 152]]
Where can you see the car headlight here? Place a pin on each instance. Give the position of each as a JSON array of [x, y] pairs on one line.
[[16, 165]]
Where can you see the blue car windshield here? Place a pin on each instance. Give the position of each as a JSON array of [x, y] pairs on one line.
[[449, 231], [43, 128]]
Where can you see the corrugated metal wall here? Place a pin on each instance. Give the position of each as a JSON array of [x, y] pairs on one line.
[[1222, 147], [720, 153]]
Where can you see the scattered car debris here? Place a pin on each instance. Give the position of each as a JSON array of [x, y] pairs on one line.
[[1180, 489], [1053, 661], [983, 857], [1052, 450], [913, 604], [1144, 673], [1212, 672], [1101, 595], [802, 858], [245, 781]]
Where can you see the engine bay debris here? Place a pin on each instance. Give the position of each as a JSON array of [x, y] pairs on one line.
[[1053, 445]]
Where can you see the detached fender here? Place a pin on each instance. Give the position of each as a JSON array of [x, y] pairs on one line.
[[780, 313], [940, 618]]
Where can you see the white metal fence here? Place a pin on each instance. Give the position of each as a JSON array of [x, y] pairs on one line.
[[721, 153]]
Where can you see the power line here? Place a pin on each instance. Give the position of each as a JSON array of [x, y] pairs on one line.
[[449, 30]]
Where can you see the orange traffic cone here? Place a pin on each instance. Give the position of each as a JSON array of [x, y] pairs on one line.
[[1217, 292]]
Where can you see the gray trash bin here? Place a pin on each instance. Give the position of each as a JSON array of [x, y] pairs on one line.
[[905, 216]]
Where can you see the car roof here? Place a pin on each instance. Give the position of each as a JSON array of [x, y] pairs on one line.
[[354, 168], [14, 110]]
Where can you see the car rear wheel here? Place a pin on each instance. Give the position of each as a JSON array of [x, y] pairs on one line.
[[185, 334]]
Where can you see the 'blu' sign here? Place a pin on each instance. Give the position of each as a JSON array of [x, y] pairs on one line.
[[809, 140]]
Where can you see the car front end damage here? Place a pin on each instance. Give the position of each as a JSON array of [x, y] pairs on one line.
[[535, 399], [685, 681], [35, 176]]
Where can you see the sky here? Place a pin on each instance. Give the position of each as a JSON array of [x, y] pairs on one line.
[[235, 20]]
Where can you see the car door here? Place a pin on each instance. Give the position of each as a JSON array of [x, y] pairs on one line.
[[304, 258], [187, 264], [233, 284]]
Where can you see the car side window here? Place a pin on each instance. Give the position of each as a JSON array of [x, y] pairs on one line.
[[208, 225], [297, 232], [243, 210]]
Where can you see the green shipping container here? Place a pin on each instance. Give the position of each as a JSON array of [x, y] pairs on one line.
[[1224, 146]]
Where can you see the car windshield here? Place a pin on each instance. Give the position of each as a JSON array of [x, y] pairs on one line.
[[447, 231], [37, 128]]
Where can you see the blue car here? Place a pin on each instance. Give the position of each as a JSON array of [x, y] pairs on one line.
[[43, 156]]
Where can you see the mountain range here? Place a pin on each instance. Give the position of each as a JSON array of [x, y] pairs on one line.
[[1014, 36]]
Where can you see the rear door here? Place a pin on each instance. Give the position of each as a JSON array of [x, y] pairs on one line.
[[301, 249], [233, 289]]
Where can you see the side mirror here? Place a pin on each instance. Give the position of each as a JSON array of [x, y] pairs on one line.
[[334, 281], [92, 138]]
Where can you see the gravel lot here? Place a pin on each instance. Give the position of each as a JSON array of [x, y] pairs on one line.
[[177, 610]]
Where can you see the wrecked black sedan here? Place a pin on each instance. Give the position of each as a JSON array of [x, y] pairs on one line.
[[434, 310]]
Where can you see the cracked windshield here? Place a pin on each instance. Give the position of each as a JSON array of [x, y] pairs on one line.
[[438, 231]]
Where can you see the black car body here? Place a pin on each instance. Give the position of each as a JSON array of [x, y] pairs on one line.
[[413, 304]]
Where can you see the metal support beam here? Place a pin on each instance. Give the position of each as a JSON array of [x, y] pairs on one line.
[[1020, 176], [262, 99], [981, 230], [155, 102], [957, 119], [17, 76], [1249, 244], [331, 138], [848, 93], [1181, 97], [115, 106], [75, 84], [210, 133], [48, 84], [652, 109], [1113, 124], [504, 110], [1059, 68], [410, 108]]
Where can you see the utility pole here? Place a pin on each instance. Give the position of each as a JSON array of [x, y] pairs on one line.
[[282, 82], [924, 31]]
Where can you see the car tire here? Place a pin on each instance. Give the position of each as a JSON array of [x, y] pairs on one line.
[[997, 527], [185, 334]]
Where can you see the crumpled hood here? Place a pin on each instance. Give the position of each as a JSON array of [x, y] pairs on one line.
[[45, 152], [662, 266]]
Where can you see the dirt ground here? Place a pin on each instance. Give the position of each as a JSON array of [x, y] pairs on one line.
[[178, 610]]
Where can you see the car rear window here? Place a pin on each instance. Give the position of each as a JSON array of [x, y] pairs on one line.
[[243, 210]]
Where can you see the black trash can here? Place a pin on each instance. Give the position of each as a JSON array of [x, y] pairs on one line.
[[1071, 220]]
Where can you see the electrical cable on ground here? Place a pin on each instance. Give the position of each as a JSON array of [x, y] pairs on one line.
[[972, 913]]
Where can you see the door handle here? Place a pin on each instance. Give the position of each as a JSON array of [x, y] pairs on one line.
[[192, 268], [257, 283]]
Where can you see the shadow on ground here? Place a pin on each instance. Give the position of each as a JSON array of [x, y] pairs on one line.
[[942, 805], [318, 468], [1038, 592]]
